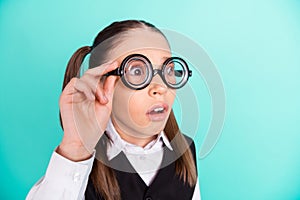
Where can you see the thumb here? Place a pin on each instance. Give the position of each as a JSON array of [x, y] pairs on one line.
[[109, 86]]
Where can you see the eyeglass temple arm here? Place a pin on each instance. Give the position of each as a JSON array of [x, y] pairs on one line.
[[180, 72], [115, 72]]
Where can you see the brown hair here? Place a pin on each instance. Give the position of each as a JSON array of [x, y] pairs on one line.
[[102, 176]]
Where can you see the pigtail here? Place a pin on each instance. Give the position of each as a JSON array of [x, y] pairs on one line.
[[102, 176], [185, 164], [73, 68], [74, 64]]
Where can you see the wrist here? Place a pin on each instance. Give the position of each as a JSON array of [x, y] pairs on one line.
[[73, 152]]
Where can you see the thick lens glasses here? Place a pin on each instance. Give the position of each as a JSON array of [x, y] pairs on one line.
[[136, 72]]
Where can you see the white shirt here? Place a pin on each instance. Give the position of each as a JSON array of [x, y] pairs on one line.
[[65, 179]]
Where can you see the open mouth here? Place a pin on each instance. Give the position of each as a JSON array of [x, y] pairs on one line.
[[158, 112]]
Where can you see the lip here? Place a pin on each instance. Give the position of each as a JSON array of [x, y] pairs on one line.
[[158, 116]]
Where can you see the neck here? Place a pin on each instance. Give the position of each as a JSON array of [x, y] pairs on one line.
[[139, 141]]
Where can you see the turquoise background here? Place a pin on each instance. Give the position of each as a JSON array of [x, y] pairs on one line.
[[255, 45]]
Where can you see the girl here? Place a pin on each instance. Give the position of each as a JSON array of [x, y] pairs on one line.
[[121, 139]]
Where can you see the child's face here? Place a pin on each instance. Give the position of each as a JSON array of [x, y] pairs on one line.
[[143, 113]]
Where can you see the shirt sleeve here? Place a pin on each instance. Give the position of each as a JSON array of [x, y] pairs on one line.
[[196, 195], [64, 179]]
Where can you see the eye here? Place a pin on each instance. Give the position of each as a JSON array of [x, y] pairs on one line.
[[136, 71], [170, 70]]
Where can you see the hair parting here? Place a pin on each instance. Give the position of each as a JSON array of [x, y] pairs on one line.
[[73, 68]]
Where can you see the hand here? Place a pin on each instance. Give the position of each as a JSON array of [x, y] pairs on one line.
[[85, 106]]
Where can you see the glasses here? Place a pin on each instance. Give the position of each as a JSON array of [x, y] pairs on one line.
[[136, 72]]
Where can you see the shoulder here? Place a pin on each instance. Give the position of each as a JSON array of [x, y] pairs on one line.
[[188, 138], [190, 142]]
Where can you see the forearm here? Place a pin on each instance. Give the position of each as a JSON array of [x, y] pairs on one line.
[[64, 179]]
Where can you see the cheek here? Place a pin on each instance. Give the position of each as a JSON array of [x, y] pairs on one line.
[[120, 101], [171, 96], [137, 110], [129, 107]]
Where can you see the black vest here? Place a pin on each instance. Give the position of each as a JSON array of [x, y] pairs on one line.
[[165, 186]]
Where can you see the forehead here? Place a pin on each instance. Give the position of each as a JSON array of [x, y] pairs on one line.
[[143, 41]]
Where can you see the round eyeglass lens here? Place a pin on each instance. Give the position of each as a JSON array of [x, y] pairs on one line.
[[136, 72], [175, 73]]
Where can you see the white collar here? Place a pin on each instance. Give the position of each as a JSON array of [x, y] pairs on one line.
[[116, 144]]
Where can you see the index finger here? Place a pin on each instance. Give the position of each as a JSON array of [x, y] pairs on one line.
[[103, 69]]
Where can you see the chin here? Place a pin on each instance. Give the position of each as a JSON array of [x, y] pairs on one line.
[[155, 127]]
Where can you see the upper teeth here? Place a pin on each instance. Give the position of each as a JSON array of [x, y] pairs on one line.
[[158, 109]]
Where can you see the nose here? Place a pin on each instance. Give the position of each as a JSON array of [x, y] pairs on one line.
[[157, 87]]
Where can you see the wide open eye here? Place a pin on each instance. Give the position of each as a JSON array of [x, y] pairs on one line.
[[136, 72], [170, 73], [170, 69], [175, 72]]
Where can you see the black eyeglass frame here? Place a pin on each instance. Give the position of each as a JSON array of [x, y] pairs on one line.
[[120, 72]]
